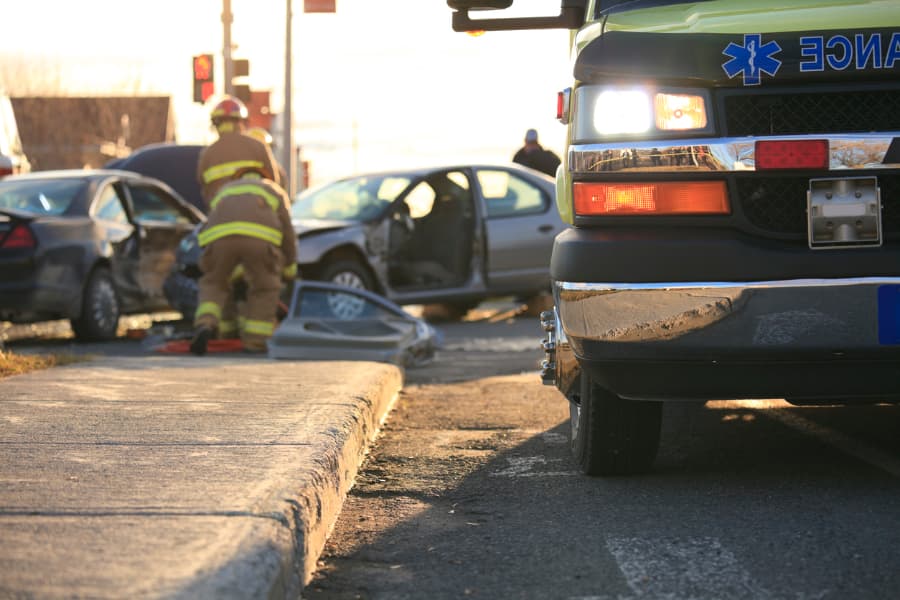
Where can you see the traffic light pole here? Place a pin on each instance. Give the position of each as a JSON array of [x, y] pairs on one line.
[[287, 143], [227, 19]]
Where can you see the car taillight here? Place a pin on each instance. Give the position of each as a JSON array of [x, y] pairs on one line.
[[664, 198], [19, 236], [792, 154], [4, 171]]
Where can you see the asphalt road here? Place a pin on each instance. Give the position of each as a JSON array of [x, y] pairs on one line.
[[470, 492]]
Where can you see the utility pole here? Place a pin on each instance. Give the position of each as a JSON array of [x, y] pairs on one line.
[[287, 143], [227, 19]]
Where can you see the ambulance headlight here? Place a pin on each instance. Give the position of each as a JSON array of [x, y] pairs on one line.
[[608, 112], [622, 111]]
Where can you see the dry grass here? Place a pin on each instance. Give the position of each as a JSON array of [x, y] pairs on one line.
[[17, 364]]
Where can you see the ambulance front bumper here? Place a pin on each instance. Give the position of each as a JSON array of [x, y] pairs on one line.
[[810, 338]]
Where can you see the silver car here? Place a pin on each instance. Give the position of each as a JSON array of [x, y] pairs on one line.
[[449, 235]]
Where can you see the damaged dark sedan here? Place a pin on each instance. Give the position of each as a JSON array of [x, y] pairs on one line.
[[87, 246]]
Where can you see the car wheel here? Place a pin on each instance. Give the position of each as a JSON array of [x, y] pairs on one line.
[[100, 312], [348, 273], [611, 435]]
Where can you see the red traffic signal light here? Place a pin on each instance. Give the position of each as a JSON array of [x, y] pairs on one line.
[[203, 77]]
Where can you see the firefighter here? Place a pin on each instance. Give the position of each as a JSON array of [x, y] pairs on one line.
[[233, 150], [261, 134], [248, 229]]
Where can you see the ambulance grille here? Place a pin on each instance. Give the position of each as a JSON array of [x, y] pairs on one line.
[[777, 205], [814, 113]]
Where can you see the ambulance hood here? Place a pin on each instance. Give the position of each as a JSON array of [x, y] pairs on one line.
[[733, 42]]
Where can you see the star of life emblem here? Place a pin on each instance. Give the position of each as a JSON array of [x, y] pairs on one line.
[[752, 59]]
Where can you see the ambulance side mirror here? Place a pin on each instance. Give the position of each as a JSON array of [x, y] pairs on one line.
[[479, 4], [571, 16]]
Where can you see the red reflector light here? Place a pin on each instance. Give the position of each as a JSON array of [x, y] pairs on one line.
[[562, 105], [19, 237], [665, 198], [792, 154]]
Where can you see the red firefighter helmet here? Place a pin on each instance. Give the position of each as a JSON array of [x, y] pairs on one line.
[[229, 108]]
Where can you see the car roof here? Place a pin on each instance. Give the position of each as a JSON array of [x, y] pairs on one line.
[[174, 164], [422, 171], [100, 174], [86, 174]]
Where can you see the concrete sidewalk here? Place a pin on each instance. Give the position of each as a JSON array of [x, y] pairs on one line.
[[178, 476]]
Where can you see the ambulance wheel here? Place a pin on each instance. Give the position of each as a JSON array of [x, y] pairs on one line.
[[100, 311], [611, 435]]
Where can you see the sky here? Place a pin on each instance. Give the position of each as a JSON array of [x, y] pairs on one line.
[[379, 84]]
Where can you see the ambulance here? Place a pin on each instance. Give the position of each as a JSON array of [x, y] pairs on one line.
[[732, 182]]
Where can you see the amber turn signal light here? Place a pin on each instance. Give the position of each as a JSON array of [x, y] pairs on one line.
[[664, 198]]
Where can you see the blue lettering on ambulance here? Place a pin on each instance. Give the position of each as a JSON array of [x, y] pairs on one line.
[[839, 64], [868, 49], [811, 47], [839, 52], [893, 53]]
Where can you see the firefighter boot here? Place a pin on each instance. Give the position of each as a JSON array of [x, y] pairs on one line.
[[201, 338]]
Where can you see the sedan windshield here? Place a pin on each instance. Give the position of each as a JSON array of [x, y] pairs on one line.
[[357, 199], [39, 196]]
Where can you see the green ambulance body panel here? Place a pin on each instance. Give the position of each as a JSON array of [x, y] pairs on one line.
[[645, 43]]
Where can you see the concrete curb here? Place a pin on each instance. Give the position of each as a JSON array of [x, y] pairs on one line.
[[309, 507], [193, 478]]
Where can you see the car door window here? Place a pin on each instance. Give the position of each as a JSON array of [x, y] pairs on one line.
[[109, 205], [420, 200], [506, 194], [151, 204]]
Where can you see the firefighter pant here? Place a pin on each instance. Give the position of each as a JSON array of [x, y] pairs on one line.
[[262, 264]]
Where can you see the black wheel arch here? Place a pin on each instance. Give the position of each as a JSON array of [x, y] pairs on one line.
[[347, 252]]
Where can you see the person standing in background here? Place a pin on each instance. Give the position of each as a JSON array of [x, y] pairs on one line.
[[535, 156]]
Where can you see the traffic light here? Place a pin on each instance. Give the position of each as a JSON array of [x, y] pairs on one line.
[[203, 77], [240, 69], [319, 6]]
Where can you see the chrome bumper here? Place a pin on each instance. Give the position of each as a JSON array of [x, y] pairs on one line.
[[821, 315], [847, 151], [818, 339]]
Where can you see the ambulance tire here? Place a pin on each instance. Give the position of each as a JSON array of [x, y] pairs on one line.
[[611, 435], [100, 310]]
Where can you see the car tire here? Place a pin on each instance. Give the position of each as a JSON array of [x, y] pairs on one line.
[[611, 435], [100, 310], [347, 272]]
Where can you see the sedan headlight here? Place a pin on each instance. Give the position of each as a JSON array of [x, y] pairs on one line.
[[605, 112]]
